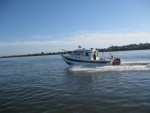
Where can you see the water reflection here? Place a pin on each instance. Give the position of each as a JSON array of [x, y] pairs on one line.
[[91, 83]]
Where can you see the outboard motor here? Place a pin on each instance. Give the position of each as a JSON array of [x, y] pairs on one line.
[[116, 61]]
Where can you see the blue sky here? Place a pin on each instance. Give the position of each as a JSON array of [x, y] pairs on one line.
[[34, 26]]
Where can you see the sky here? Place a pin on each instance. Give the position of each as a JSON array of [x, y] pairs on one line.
[[35, 26]]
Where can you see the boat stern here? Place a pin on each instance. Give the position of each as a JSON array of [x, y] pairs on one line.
[[116, 61]]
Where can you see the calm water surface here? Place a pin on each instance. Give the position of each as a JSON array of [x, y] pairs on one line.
[[46, 84]]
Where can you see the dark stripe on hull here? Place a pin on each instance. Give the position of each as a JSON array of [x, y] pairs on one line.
[[68, 63], [102, 62]]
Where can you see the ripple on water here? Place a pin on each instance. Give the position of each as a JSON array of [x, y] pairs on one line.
[[46, 84]]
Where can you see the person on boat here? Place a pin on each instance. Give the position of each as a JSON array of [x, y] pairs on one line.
[[113, 57], [94, 57]]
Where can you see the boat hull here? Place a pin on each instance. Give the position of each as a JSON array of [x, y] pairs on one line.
[[72, 61]]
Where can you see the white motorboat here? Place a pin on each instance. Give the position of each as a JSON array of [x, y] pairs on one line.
[[89, 56]]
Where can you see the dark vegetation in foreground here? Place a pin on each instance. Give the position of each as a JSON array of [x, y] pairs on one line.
[[139, 46]]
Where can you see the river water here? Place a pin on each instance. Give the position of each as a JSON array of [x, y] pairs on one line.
[[46, 84]]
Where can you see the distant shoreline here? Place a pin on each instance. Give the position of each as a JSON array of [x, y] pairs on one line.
[[140, 46]]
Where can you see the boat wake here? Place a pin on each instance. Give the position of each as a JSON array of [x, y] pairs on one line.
[[127, 66]]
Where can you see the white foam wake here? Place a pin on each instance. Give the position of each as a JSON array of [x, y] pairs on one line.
[[123, 67]]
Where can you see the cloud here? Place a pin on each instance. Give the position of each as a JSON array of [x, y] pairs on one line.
[[97, 38]]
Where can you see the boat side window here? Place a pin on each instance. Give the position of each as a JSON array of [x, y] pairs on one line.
[[76, 53], [87, 54], [81, 53], [84, 54]]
